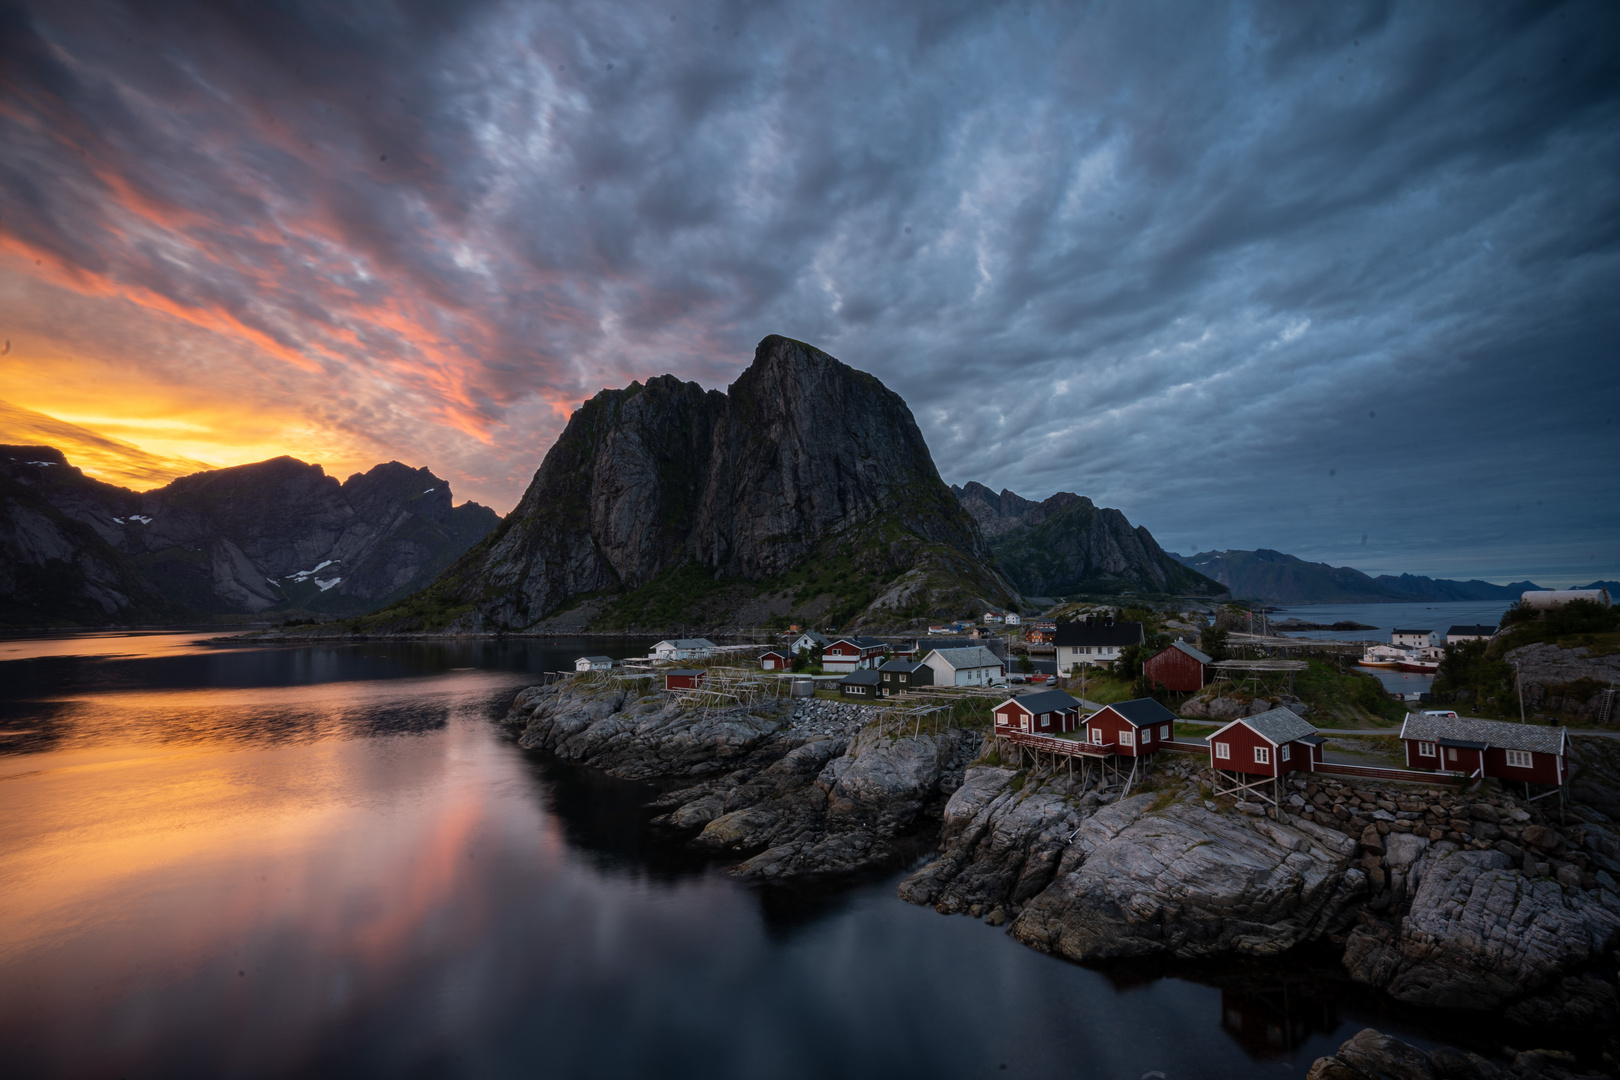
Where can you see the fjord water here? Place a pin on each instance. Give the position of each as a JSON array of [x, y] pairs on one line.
[[330, 860]]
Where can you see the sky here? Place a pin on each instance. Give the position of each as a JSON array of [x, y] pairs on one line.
[[1339, 280]]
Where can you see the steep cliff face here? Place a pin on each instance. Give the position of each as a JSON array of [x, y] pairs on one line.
[[277, 535], [803, 461], [1067, 545]]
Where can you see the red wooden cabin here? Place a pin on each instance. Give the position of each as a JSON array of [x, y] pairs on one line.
[[1178, 667], [852, 653], [1496, 748], [683, 679], [1271, 744], [1136, 728], [1048, 712], [775, 661]]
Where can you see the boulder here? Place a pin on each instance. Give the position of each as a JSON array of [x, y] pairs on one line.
[[1480, 934]]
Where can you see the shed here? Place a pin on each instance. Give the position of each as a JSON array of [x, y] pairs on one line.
[[862, 684], [1270, 744], [1178, 667], [1501, 749], [683, 679], [1046, 712], [594, 663], [901, 676], [775, 661], [1136, 728]]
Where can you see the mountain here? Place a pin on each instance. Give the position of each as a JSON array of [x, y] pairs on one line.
[[1066, 546], [1276, 578], [278, 535], [804, 490]]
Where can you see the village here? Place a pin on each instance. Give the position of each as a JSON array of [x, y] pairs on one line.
[[1044, 717]]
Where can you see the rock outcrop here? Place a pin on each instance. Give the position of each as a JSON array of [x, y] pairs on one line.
[[1371, 1055], [277, 535], [1567, 681], [794, 789], [1067, 545], [804, 464]]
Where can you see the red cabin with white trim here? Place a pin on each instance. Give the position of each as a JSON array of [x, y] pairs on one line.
[[1500, 749], [1178, 667], [775, 661], [1273, 743], [852, 654], [1136, 728], [1048, 712]]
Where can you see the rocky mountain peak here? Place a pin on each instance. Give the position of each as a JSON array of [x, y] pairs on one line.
[[800, 452]]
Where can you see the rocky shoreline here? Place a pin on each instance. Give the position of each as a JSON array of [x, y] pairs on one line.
[[1436, 897]]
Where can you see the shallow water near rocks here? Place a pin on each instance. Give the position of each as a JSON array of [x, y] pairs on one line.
[[330, 860]]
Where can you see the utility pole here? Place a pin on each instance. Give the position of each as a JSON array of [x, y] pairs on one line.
[[1519, 683]]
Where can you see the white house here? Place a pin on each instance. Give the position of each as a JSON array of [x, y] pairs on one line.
[[1095, 641], [808, 641], [976, 666], [992, 617], [686, 648], [594, 663], [1414, 639], [1013, 618]]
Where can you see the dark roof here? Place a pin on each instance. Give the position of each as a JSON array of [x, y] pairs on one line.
[[1079, 633], [1464, 744], [1276, 726], [1477, 630], [1399, 631], [1182, 646], [862, 642], [597, 659], [684, 671], [1509, 736], [1314, 740], [1045, 701], [902, 665], [1142, 712], [865, 675], [926, 645]]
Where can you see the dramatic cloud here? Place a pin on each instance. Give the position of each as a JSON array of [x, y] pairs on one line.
[[1335, 280]]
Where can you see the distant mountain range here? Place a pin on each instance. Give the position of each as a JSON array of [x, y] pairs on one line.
[[1276, 578], [278, 536], [1068, 546]]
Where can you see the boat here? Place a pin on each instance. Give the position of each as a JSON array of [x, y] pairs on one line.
[[1414, 663], [1382, 656]]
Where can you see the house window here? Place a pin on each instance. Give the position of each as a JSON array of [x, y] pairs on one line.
[[1223, 751], [1425, 749], [1096, 735], [1164, 731], [1262, 755], [1147, 735], [1046, 719], [1001, 718], [1452, 753], [902, 676], [1127, 737], [1519, 759], [1283, 753]]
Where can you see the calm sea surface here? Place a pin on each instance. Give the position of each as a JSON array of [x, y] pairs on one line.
[[328, 860]]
